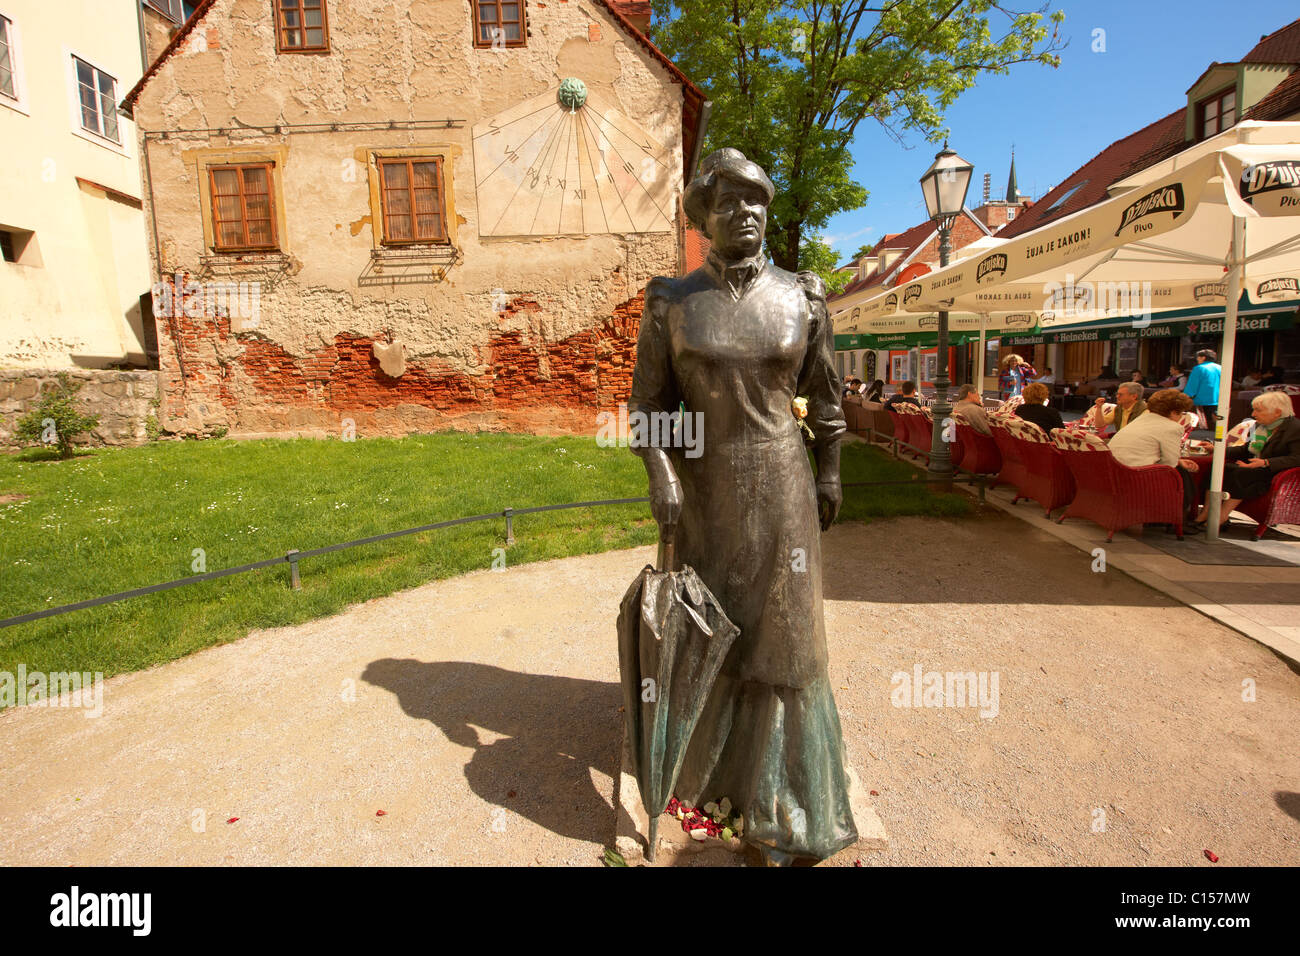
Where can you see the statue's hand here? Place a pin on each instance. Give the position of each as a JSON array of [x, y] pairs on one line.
[[829, 499], [666, 503]]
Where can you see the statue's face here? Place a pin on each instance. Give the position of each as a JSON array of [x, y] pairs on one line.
[[737, 219]]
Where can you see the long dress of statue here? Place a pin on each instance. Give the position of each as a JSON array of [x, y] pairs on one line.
[[736, 341]]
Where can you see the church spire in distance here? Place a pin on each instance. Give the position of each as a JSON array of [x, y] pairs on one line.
[[1013, 191]]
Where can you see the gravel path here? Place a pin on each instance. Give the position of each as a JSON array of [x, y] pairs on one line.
[[481, 715]]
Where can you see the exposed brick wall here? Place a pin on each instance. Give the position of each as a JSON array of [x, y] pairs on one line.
[[247, 383]]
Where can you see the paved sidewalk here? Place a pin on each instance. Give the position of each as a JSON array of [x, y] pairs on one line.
[[1261, 602]]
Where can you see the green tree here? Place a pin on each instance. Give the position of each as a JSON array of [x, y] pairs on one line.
[[816, 256], [55, 419], [791, 80]]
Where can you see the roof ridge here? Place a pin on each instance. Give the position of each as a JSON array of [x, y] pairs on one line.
[[128, 102], [1269, 36], [1164, 119]]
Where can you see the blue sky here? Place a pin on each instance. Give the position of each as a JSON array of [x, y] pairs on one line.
[[1060, 118]]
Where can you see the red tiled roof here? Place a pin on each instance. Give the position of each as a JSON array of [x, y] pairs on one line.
[[1093, 177], [632, 8], [908, 241], [697, 249], [1282, 102], [1280, 46]]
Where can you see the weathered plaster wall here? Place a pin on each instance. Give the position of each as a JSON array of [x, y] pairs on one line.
[[557, 348], [73, 296]]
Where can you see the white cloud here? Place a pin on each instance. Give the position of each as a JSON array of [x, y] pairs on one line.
[[836, 239]]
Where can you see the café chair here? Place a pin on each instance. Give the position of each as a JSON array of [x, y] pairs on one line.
[[1113, 495], [1032, 464]]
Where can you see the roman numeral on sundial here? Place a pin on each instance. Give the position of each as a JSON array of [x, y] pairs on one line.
[[557, 171]]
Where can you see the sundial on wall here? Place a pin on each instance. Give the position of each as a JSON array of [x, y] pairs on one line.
[[563, 163]]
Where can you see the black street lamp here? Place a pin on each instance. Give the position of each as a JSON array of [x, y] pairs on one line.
[[944, 186]]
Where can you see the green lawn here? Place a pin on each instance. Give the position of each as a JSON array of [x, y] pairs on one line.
[[118, 519]]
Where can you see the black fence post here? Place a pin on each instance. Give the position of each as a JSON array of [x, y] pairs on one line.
[[510, 525], [294, 581]]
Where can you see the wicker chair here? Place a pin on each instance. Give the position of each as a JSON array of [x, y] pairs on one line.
[[1007, 408], [1031, 464], [901, 430], [920, 428], [1114, 495], [980, 453], [911, 426], [1280, 506], [1047, 479], [956, 448], [1012, 470]]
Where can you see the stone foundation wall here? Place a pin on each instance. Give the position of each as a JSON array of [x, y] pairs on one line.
[[124, 401]]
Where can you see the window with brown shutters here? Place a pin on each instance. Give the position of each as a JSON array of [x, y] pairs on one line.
[[243, 207], [411, 194], [498, 23], [302, 26]]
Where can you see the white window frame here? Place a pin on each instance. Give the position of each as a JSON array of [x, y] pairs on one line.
[[124, 134], [19, 100]]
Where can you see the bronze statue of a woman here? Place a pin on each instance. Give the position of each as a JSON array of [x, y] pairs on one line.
[[736, 342]]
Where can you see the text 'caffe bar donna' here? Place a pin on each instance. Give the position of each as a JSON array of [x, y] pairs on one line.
[[1187, 328]]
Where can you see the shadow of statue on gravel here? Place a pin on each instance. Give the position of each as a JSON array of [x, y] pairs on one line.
[[555, 730], [1288, 802]]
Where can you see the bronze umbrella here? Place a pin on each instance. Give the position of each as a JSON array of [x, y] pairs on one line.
[[672, 638]]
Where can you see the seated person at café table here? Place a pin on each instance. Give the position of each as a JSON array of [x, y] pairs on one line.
[[1275, 447], [1049, 378], [1097, 385], [1177, 378], [906, 396], [877, 391], [1128, 406], [1157, 439], [1137, 378], [1274, 376], [1034, 408], [969, 410]]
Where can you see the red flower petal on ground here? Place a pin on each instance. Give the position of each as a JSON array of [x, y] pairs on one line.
[[235, 819], [381, 813], [875, 793], [1211, 856]]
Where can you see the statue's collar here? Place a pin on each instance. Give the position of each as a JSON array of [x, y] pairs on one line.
[[736, 274]]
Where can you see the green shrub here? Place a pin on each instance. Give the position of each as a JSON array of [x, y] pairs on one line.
[[55, 419]]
